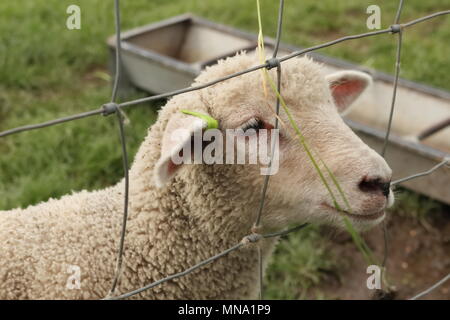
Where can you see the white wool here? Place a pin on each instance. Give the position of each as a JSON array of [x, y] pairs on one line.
[[201, 209]]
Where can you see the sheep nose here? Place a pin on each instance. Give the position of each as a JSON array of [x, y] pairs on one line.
[[375, 185]]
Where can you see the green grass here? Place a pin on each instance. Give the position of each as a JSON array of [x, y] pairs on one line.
[[410, 204], [47, 71]]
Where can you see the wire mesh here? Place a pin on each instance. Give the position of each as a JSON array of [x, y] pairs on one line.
[[113, 107]]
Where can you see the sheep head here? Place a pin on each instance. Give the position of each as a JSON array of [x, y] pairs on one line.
[[296, 192]]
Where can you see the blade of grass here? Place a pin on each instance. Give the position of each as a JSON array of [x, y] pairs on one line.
[[369, 257], [359, 241], [261, 50], [266, 78]]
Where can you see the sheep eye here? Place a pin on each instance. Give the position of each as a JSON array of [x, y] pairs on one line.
[[253, 123]]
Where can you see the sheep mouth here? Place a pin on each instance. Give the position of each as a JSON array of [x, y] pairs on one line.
[[356, 216]]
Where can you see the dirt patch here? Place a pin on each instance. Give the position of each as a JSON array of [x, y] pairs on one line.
[[419, 256]]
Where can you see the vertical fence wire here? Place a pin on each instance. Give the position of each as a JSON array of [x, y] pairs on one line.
[[118, 51], [267, 177], [389, 126], [260, 273], [120, 119], [396, 28]]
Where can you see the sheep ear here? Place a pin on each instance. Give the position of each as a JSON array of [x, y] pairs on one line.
[[177, 137], [346, 86]]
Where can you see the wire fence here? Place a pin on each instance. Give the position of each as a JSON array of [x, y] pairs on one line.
[[113, 107]]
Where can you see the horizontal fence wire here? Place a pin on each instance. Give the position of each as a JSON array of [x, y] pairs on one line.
[[115, 108], [444, 162], [211, 83], [252, 238]]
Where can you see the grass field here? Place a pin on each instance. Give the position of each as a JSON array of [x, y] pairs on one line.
[[47, 71]]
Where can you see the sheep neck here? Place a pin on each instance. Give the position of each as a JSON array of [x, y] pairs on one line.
[[176, 227]]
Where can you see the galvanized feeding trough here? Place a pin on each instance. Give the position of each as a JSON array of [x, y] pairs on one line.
[[169, 54]]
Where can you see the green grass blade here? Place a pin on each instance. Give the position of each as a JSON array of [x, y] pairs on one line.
[[359, 242]]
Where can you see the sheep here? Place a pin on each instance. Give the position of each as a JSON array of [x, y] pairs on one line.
[[182, 214]]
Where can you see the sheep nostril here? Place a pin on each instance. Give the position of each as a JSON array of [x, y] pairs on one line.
[[375, 185]]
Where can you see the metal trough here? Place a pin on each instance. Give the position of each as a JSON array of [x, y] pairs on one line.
[[175, 50], [168, 55]]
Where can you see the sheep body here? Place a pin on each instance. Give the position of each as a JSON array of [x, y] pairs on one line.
[[204, 210], [42, 242]]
